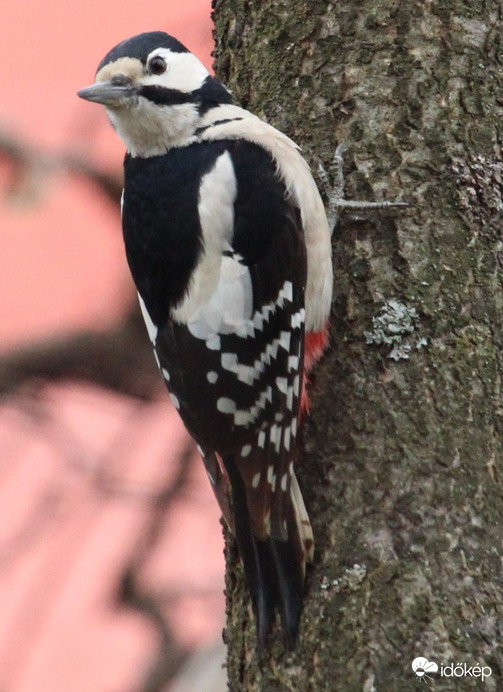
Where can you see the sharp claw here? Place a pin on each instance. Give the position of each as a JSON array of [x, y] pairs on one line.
[[340, 151], [335, 191]]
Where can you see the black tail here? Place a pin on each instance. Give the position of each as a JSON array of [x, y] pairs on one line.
[[274, 569]]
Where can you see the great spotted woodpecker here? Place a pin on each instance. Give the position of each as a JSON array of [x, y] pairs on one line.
[[229, 246]]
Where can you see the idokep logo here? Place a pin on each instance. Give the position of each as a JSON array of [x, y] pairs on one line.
[[423, 669]]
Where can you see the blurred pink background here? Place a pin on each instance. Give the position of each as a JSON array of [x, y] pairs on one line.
[[80, 467]]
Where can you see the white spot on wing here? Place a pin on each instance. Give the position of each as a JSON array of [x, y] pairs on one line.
[[151, 328], [225, 405], [284, 340], [256, 480], [212, 376], [271, 477], [229, 361], [247, 416], [296, 385], [286, 439], [245, 450], [288, 291], [289, 399], [297, 319], [246, 374], [258, 321], [293, 363], [259, 367], [175, 400], [245, 328], [282, 384], [275, 436], [244, 417], [213, 342], [268, 310]]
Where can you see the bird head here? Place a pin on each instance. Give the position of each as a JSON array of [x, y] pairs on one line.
[[155, 92]]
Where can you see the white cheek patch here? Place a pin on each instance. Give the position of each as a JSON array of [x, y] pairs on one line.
[[184, 71]]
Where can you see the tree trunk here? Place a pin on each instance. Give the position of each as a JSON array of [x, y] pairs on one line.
[[401, 470]]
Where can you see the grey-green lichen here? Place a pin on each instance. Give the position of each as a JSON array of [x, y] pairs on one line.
[[350, 580], [392, 325]]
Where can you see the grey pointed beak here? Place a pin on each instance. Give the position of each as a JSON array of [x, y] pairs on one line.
[[111, 94]]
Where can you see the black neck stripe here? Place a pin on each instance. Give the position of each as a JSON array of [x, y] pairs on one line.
[[211, 93], [224, 121], [166, 97]]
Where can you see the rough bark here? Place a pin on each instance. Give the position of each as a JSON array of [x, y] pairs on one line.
[[401, 471]]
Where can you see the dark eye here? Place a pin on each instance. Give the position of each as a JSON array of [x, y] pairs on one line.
[[157, 65]]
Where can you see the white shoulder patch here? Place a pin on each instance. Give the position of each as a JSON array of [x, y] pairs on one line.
[[220, 297], [185, 72], [230, 304]]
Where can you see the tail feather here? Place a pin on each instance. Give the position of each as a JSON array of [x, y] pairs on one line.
[[289, 575], [302, 519], [220, 484], [274, 564], [254, 554]]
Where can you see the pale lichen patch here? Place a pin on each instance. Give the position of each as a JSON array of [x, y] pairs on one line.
[[392, 325]]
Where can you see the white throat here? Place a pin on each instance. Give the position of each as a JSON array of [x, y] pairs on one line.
[[148, 129]]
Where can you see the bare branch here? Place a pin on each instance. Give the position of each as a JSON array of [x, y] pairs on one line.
[[119, 359], [32, 165], [133, 594]]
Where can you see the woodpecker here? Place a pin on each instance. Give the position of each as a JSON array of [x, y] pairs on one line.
[[228, 244]]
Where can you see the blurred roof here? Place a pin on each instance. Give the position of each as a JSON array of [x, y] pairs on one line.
[[82, 469]]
